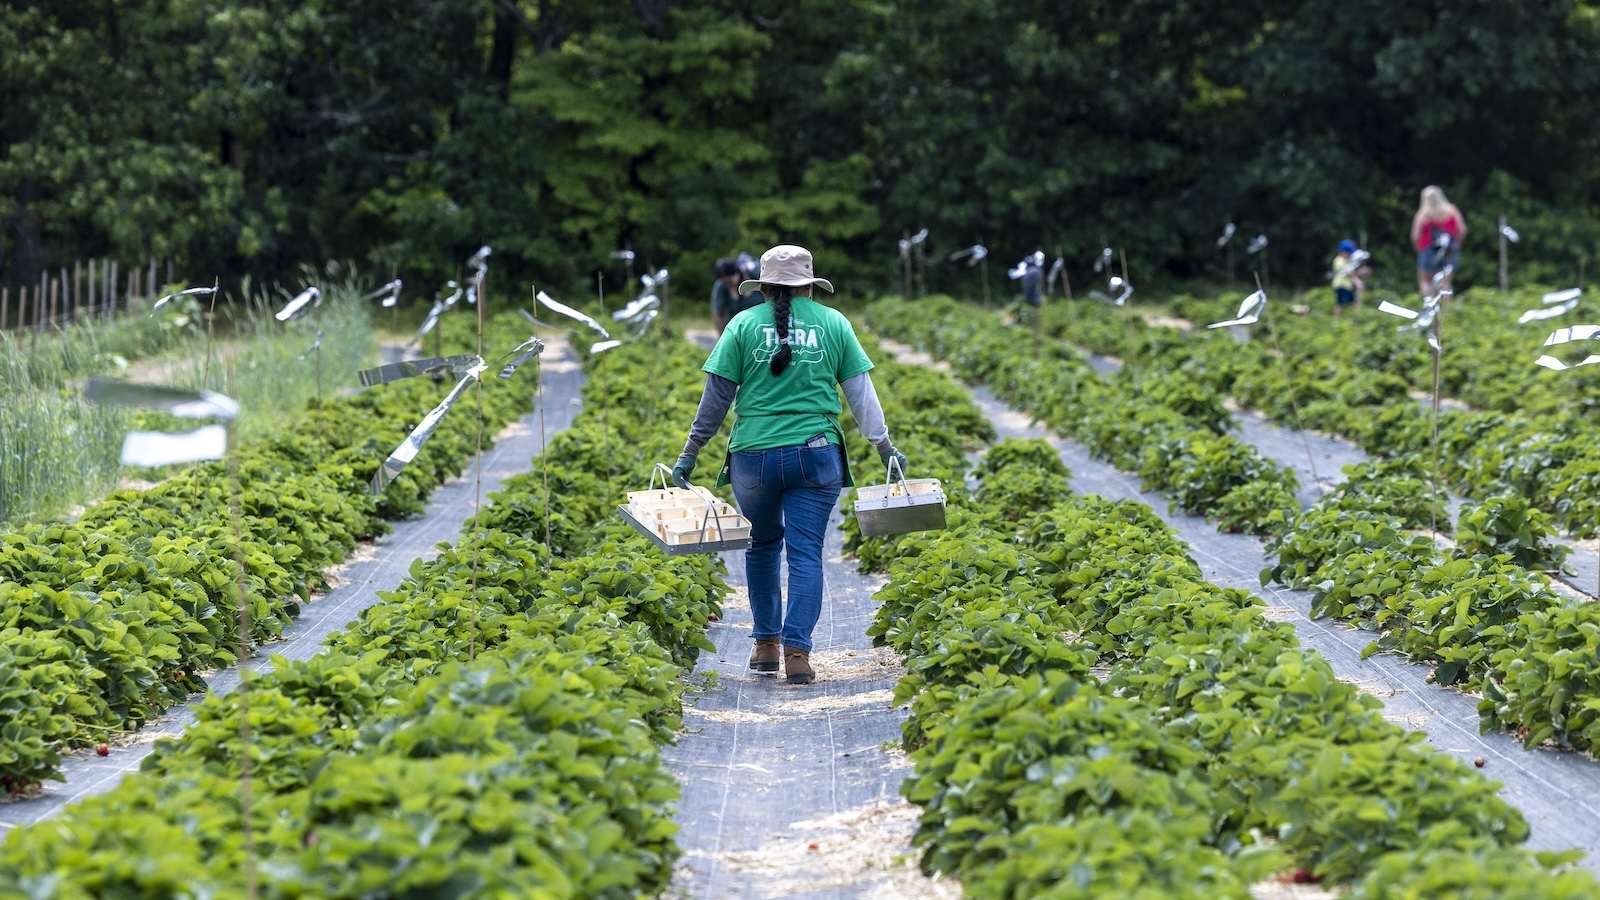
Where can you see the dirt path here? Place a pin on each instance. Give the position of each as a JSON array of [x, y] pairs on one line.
[[793, 791]]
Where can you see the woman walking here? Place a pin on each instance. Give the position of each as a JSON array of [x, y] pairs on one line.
[[781, 365], [1436, 231]]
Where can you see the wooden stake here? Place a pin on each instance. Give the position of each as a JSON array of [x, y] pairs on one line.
[[5, 300], [1124, 254], [111, 290], [77, 288], [55, 296], [150, 284]]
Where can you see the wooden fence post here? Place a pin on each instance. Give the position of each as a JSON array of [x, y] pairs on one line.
[[150, 287], [77, 289], [5, 300], [55, 298], [111, 291]]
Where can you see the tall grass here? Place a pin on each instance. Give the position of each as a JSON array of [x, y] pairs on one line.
[[58, 451]]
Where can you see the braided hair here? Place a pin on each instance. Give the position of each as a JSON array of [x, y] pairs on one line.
[[781, 297]]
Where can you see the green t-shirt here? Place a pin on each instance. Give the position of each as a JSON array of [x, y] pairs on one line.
[[788, 409]]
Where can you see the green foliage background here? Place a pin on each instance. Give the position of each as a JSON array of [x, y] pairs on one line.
[[243, 137]]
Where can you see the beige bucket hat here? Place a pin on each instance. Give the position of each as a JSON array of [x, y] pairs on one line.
[[786, 265]]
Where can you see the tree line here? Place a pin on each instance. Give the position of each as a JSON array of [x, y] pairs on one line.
[[246, 137]]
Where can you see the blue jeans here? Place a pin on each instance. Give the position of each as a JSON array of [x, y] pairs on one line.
[[787, 493]]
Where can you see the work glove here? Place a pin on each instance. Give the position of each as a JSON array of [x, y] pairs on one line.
[[888, 452], [682, 469]]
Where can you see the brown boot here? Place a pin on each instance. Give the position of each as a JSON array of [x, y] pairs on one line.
[[797, 664], [765, 657]]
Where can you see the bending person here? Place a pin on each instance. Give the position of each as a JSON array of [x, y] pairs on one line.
[[781, 366], [1436, 231]]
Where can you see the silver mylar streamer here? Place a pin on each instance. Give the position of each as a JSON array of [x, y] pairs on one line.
[[1541, 313], [560, 308], [191, 292], [1442, 274], [434, 313], [905, 248], [636, 308], [1118, 285], [1509, 233], [973, 255], [480, 260], [1394, 309], [919, 237], [1560, 303], [411, 368], [1228, 232], [1250, 310], [315, 345], [1055, 269], [389, 292], [298, 304], [454, 296], [603, 346], [1103, 261], [1570, 335], [531, 320], [520, 354], [1425, 321], [180, 402], [641, 323], [651, 282], [412, 445], [1353, 264], [159, 448], [154, 448], [1256, 245], [626, 256]]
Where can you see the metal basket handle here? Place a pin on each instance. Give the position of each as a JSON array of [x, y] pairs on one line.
[[894, 465], [666, 477]]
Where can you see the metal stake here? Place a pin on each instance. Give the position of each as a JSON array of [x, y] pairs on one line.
[[1501, 231]]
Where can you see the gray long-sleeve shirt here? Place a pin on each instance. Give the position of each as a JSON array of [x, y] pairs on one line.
[[719, 393]]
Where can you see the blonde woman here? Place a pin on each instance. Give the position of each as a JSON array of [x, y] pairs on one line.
[[1436, 232]]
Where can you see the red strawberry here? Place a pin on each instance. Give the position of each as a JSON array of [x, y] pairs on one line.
[[103, 750]]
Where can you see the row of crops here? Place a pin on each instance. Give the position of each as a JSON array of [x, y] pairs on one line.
[[1479, 611], [1526, 435], [1471, 610], [1090, 716], [489, 726], [111, 619]]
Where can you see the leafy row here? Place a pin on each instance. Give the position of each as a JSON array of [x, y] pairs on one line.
[[1475, 611], [1356, 377], [1157, 424], [490, 727], [107, 621], [1090, 717]]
